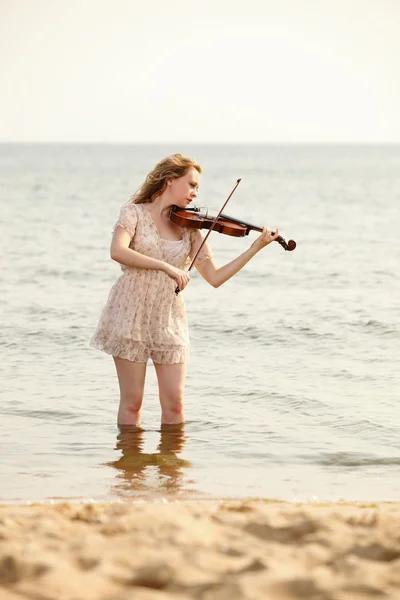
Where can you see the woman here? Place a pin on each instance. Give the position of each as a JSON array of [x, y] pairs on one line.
[[143, 317]]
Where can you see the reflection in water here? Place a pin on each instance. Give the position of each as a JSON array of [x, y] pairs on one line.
[[157, 472]]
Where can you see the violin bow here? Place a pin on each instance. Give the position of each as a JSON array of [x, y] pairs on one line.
[[177, 290]]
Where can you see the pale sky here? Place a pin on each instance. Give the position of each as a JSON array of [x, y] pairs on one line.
[[200, 71]]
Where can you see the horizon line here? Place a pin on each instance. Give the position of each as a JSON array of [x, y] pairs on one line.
[[209, 143]]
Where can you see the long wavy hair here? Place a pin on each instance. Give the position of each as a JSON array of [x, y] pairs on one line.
[[171, 167]]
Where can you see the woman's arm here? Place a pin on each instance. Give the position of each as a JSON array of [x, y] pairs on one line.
[[121, 253], [217, 276]]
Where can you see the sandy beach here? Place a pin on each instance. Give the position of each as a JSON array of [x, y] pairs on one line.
[[211, 550]]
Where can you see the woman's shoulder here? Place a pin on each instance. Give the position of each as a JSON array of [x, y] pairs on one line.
[[130, 206], [196, 241], [195, 235], [128, 217], [131, 210]]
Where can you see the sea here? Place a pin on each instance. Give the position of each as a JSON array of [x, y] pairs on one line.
[[293, 381]]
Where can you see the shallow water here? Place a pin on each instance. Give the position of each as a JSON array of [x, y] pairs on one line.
[[293, 381]]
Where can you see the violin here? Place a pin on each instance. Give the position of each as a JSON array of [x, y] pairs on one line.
[[195, 219]]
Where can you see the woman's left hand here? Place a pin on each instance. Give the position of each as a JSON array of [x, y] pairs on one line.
[[265, 238]]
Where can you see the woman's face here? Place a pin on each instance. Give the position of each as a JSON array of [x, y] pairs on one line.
[[184, 189]]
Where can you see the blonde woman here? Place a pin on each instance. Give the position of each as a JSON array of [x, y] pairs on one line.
[[144, 318]]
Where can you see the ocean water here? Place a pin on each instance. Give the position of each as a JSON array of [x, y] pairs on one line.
[[293, 381]]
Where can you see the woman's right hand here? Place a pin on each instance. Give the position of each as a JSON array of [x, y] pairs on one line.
[[180, 277]]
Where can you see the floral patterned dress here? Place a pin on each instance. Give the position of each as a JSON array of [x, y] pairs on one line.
[[143, 317]]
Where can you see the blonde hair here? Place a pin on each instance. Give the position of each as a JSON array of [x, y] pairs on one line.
[[171, 167]]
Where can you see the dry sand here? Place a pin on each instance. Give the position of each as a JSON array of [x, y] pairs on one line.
[[213, 550]]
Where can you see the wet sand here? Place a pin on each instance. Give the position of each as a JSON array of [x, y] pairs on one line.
[[211, 550]]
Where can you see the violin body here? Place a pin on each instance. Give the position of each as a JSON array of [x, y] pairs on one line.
[[195, 219]]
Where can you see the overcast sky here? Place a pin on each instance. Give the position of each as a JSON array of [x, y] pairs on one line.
[[200, 71]]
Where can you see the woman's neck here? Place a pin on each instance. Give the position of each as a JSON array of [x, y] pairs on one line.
[[160, 207]]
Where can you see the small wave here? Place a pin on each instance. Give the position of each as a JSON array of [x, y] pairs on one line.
[[285, 403], [45, 415], [374, 325], [306, 330], [249, 332], [352, 459]]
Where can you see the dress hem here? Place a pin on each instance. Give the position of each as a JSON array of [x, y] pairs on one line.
[[142, 354]]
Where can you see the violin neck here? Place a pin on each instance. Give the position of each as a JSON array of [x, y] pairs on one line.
[[248, 225]]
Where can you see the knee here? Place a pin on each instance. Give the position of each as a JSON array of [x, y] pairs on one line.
[[177, 406], [132, 400], [174, 403]]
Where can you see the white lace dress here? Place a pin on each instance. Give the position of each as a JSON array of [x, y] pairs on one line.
[[143, 317]]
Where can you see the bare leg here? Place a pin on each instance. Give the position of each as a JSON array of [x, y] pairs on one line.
[[171, 384], [131, 377]]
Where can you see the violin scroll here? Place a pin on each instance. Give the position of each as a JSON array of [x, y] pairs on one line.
[[289, 246]]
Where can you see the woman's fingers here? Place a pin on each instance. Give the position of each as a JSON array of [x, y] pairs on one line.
[[180, 277], [265, 238], [268, 236], [182, 280], [186, 280]]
